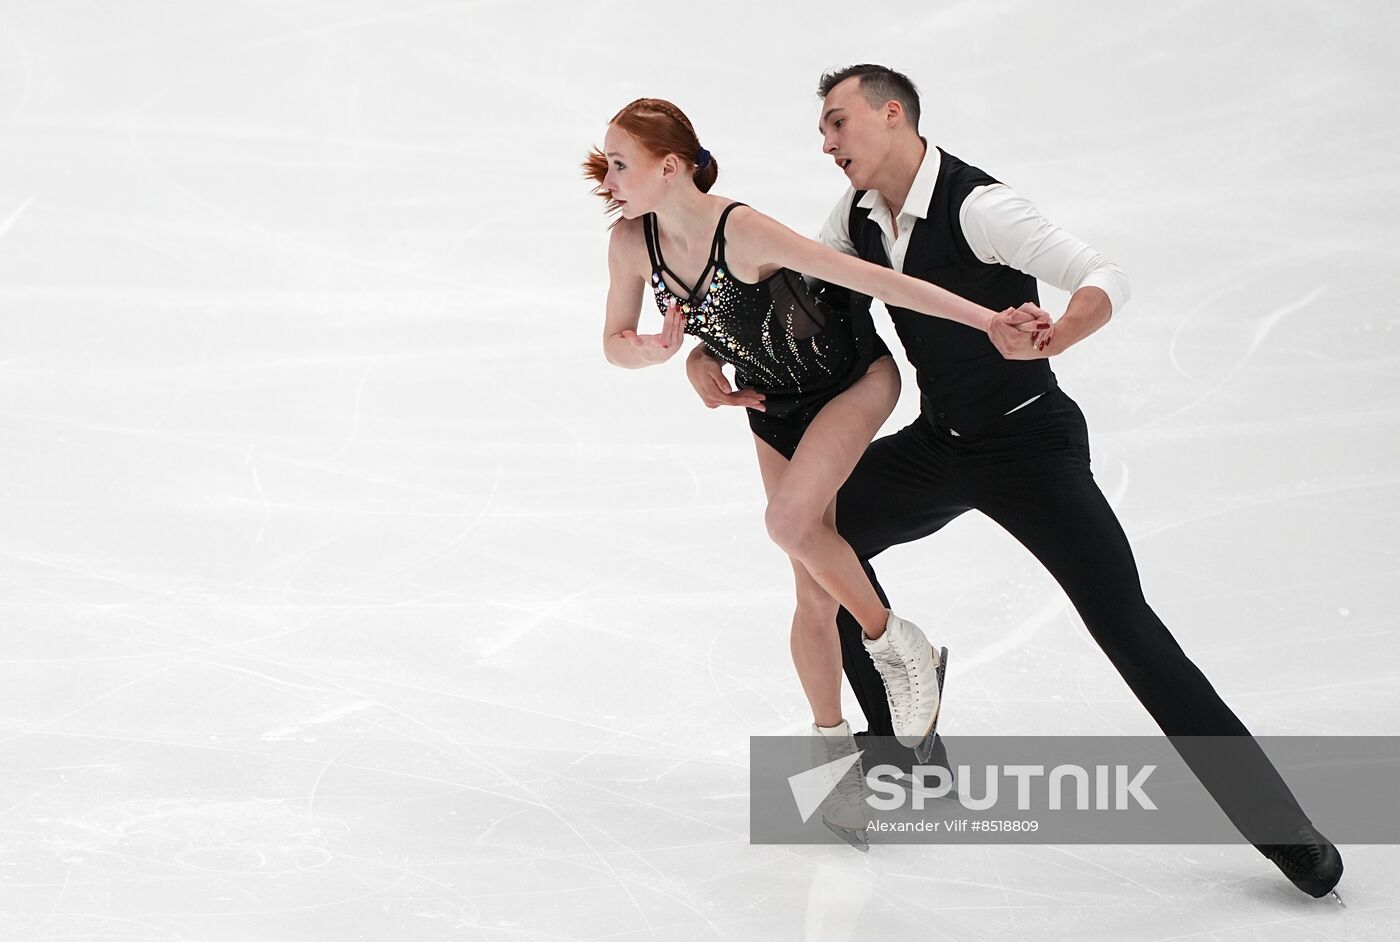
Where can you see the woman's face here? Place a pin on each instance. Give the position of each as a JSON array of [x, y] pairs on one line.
[[634, 176]]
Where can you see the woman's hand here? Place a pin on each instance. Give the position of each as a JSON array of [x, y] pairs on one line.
[[1021, 333], [658, 348], [1044, 325]]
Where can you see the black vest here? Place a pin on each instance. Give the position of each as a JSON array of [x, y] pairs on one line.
[[965, 383]]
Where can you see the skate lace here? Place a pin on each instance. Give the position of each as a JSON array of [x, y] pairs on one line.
[[1300, 858], [850, 788], [896, 680]]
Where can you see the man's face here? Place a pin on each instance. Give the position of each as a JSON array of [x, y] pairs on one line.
[[857, 136]]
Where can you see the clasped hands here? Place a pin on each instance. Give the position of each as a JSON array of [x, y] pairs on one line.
[[1022, 333]]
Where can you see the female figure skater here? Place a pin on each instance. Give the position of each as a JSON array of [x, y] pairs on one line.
[[727, 274]]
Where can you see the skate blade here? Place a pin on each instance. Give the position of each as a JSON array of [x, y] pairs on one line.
[[924, 749], [1338, 897], [856, 839]]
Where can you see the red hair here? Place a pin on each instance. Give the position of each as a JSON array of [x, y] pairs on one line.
[[661, 128]]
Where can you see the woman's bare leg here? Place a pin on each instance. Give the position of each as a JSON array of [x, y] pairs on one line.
[[815, 645], [798, 518], [816, 648]]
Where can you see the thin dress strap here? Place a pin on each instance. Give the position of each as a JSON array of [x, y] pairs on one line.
[[717, 248], [653, 248], [652, 227]]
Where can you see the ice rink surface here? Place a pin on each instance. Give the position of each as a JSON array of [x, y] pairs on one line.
[[349, 594]]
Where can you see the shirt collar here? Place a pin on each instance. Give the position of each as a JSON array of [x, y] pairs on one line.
[[920, 191]]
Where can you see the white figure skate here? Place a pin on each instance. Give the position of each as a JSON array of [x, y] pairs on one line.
[[844, 811], [913, 682]]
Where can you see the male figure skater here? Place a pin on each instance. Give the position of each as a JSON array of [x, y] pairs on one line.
[[996, 433]]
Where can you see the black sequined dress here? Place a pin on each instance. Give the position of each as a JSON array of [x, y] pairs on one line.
[[780, 339]]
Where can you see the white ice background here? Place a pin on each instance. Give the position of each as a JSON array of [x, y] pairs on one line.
[[348, 593]]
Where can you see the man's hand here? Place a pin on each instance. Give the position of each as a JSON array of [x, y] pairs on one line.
[[707, 376], [1022, 333], [658, 348]]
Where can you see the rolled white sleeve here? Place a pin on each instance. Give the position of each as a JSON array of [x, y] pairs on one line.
[[836, 233], [1001, 226]]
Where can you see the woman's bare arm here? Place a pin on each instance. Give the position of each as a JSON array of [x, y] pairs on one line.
[[758, 236], [622, 345]]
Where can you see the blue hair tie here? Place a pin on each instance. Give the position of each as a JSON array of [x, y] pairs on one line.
[[702, 159]]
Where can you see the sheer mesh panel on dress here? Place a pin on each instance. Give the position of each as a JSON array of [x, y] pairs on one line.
[[794, 306]]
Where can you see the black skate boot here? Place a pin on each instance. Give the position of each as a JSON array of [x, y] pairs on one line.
[[1313, 863]]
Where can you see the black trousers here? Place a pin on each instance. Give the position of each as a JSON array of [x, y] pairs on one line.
[[1029, 471]]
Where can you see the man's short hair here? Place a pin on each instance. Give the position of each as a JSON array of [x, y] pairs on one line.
[[878, 85]]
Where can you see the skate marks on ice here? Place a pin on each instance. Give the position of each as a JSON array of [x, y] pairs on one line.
[[348, 593]]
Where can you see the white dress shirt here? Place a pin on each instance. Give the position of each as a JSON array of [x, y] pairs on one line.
[[999, 224]]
